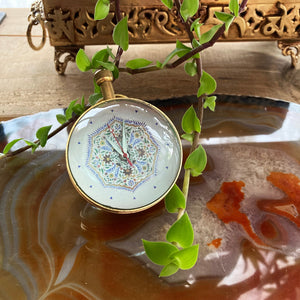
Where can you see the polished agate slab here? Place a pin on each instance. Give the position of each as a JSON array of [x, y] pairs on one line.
[[55, 245]]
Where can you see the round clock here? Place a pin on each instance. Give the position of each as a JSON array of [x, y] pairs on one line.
[[123, 155]]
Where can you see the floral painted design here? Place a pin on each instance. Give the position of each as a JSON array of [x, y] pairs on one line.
[[122, 154]]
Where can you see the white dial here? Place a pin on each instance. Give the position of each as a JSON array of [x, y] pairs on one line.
[[124, 155]]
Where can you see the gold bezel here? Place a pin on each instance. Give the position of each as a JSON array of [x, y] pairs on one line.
[[97, 204]]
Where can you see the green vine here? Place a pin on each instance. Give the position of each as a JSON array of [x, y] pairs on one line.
[[178, 251]]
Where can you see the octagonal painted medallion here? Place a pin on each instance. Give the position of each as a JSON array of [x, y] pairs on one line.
[[122, 154]]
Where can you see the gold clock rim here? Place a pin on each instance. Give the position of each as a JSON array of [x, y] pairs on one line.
[[107, 208]]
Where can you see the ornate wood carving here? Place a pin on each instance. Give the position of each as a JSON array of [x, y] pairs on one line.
[[67, 53], [156, 24], [60, 25], [73, 25], [257, 23], [291, 48]]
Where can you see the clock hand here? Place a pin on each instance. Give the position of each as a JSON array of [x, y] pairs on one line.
[[125, 155], [114, 146], [124, 142]]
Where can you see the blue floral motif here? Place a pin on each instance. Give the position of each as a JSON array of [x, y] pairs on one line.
[[113, 169]]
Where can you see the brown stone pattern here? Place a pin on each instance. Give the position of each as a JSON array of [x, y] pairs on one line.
[[147, 24]]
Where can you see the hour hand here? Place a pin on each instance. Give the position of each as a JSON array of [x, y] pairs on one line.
[[124, 142], [114, 146]]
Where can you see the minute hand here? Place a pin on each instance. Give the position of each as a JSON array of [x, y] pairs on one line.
[[125, 155], [114, 146], [124, 142]]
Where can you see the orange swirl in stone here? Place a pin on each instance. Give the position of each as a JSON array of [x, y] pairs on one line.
[[226, 205], [289, 205]]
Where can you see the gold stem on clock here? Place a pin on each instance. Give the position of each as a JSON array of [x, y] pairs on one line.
[[104, 79]]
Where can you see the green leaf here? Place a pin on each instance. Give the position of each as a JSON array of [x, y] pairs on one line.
[[186, 258], [107, 65], [82, 102], [190, 121], [190, 68], [188, 137], [97, 88], [29, 143], [196, 161], [93, 99], [10, 145], [179, 52], [61, 118], [196, 27], [195, 43], [78, 109], [159, 64], [109, 50], [32, 144], [182, 46], [189, 8], [169, 270], [42, 134], [207, 36], [224, 17], [169, 57], [138, 63], [234, 7], [159, 252], [185, 49], [101, 55], [174, 200], [181, 232], [69, 110], [210, 102], [207, 84], [101, 9], [82, 61], [115, 72], [168, 3], [120, 34]]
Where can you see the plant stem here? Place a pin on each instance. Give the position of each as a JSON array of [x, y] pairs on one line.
[[53, 133], [243, 6], [140, 70], [200, 48], [185, 190], [118, 11], [187, 172], [118, 18], [206, 45], [217, 35], [182, 59], [187, 56]]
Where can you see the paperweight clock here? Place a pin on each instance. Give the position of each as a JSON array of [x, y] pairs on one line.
[[123, 154]]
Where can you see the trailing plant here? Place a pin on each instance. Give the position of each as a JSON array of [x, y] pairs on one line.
[[179, 250]]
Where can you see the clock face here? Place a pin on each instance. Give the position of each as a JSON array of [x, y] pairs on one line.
[[123, 155]]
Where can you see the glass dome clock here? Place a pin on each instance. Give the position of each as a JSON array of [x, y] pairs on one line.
[[123, 154]]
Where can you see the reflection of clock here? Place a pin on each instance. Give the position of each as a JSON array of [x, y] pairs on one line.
[[123, 155]]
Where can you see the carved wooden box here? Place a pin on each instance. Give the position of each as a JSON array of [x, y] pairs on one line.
[[70, 23]]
